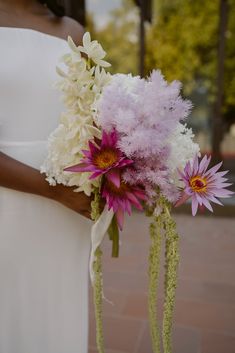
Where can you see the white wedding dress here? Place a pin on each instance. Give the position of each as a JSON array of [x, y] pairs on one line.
[[44, 247]]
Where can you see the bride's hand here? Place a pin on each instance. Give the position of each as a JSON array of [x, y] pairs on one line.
[[76, 201], [19, 176]]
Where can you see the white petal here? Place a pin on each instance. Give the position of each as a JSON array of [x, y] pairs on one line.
[[60, 72], [86, 40], [102, 63], [72, 45]]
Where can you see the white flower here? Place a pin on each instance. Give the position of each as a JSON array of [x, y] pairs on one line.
[[82, 85], [183, 149], [93, 50], [101, 79], [75, 52]]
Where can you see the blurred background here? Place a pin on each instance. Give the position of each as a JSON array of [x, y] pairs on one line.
[[194, 42], [191, 41]]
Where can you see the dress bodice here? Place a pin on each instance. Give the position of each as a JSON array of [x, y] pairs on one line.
[[30, 105]]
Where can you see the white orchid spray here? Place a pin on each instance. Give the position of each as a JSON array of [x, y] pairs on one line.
[[81, 82]]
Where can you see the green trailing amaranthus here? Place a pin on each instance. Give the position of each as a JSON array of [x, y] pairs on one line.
[[162, 224], [98, 282], [154, 269], [98, 297], [171, 267]]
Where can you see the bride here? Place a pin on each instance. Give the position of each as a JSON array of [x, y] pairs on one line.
[[44, 234]]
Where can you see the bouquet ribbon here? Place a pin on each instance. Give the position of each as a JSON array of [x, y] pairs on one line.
[[98, 232]]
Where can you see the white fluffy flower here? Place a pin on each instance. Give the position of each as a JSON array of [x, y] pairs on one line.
[[183, 149]]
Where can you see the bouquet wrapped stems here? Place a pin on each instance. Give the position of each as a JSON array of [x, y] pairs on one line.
[[163, 224]]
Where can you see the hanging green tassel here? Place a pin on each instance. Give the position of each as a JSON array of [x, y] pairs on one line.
[[98, 298], [98, 281], [171, 267], [162, 224], [154, 269]]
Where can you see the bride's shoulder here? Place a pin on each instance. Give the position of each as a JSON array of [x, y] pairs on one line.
[[70, 27]]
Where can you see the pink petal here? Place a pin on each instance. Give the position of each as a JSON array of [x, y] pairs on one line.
[[104, 142], [128, 207], [214, 169], [198, 197], [188, 190], [134, 200], [214, 199], [114, 176], [222, 193], [140, 194], [194, 206], [204, 164], [87, 154], [96, 174], [207, 204], [82, 167], [187, 169], [120, 218], [93, 148], [181, 174], [184, 197], [125, 162], [113, 138]]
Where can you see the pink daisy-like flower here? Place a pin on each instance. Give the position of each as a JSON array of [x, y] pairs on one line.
[[121, 199], [203, 185], [104, 159]]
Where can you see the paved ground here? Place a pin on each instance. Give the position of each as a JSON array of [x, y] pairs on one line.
[[205, 306]]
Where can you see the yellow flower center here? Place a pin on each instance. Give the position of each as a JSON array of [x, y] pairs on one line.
[[198, 184], [106, 158]]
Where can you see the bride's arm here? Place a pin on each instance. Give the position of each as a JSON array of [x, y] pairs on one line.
[[18, 176]]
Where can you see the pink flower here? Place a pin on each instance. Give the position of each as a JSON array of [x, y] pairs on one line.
[[104, 159], [121, 199], [203, 185]]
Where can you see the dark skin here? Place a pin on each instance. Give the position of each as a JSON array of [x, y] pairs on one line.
[[14, 174]]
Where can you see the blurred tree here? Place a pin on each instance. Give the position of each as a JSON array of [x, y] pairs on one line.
[[183, 42], [120, 38], [76, 9]]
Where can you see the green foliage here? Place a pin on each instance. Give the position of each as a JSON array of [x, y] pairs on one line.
[[120, 38], [183, 43]]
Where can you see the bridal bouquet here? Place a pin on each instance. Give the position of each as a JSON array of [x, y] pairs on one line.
[[124, 140]]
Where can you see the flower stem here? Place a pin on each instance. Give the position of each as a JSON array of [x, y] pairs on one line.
[[114, 237], [154, 269], [171, 267]]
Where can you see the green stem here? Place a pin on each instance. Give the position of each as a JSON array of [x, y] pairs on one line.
[[154, 269], [171, 267], [113, 232], [115, 247]]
